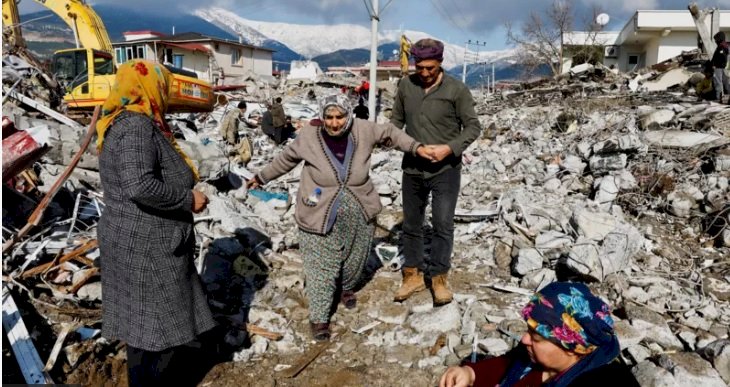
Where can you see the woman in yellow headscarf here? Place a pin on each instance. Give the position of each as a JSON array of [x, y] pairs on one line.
[[153, 296]]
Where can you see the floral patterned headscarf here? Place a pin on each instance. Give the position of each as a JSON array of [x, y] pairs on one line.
[[567, 314], [570, 316], [140, 86]]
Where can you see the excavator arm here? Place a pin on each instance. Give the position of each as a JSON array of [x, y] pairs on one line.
[[88, 29], [11, 25], [88, 71], [405, 53]]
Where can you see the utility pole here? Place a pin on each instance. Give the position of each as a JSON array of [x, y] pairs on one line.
[[466, 53], [375, 12], [374, 18], [494, 80]]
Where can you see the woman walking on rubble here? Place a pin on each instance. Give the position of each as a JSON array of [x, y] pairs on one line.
[[153, 297], [336, 201]]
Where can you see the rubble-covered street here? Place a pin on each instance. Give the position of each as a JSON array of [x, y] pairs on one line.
[[617, 180]]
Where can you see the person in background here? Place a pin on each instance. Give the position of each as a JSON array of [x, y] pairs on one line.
[[336, 201], [267, 123], [153, 296], [241, 150], [361, 111], [435, 108], [289, 131], [705, 89], [364, 90], [278, 117], [719, 62], [570, 341]]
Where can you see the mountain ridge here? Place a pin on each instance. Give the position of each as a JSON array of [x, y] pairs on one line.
[[329, 45]]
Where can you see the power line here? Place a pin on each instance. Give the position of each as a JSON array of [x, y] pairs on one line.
[[460, 12], [446, 15]]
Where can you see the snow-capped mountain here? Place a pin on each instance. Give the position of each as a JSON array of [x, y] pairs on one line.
[[313, 40]]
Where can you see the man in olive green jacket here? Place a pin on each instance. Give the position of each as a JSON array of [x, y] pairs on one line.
[[435, 109]]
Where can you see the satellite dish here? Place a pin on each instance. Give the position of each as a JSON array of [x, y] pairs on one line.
[[602, 19]]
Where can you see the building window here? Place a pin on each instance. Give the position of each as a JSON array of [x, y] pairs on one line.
[[633, 59], [236, 57], [119, 53], [128, 53], [177, 60], [140, 52]]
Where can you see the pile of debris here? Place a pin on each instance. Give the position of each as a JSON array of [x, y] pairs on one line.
[[625, 190]]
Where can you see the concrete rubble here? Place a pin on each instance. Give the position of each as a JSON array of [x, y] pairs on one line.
[[585, 177]]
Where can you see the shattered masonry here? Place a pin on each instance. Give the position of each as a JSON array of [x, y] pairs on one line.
[[619, 180]]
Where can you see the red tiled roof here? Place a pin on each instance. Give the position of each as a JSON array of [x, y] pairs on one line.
[[189, 46]]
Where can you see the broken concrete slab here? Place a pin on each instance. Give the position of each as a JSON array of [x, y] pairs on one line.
[[671, 78], [718, 353], [654, 325], [608, 190], [494, 346], [656, 118], [625, 143], [689, 369], [526, 261], [649, 375], [536, 280], [628, 336], [684, 140], [608, 163], [573, 164], [395, 314], [442, 319]]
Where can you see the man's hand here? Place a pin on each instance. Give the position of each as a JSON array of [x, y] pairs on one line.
[[439, 152], [425, 152], [458, 377], [200, 201]]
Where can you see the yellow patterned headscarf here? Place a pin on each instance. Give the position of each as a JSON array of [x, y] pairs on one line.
[[140, 86]]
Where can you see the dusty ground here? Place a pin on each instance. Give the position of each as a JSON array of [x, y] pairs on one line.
[[347, 361]]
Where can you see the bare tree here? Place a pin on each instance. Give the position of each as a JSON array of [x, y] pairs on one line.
[[540, 38]]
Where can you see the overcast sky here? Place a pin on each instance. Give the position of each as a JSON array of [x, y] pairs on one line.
[[453, 20]]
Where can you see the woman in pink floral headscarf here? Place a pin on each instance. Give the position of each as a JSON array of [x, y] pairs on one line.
[[570, 341]]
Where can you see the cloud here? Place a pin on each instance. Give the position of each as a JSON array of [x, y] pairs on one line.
[[469, 17]]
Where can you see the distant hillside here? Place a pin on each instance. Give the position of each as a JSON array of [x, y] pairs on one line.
[[353, 57], [119, 19], [476, 75], [48, 34]]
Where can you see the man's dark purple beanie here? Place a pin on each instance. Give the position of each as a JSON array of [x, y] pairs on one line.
[[421, 51]]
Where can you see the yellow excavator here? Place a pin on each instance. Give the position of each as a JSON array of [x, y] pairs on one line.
[[405, 54], [87, 72]]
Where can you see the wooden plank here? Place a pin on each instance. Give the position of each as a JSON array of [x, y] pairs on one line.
[[21, 343], [90, 273], [440, 343], [67, 328], [257, 330], [81, 250], [308, 357]]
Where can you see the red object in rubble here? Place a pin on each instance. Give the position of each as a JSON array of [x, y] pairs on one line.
[[20, 151], [8, 127]]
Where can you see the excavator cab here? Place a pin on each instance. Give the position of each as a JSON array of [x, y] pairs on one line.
[[86, 74]]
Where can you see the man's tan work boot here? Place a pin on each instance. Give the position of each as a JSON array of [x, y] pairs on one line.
[[441, 293], [412, 284]]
